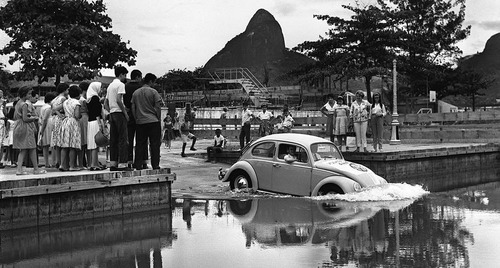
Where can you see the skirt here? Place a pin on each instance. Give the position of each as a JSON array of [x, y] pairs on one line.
[[93, 128], [70, 134], [56, 131], [168, 134], [24, 135], [341, 125]]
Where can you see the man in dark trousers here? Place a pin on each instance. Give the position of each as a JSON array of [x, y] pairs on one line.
[[118, 119], [130, 87], [146, 108]]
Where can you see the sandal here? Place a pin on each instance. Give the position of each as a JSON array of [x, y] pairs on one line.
[[40, 171], [62, 169], [22, 173]]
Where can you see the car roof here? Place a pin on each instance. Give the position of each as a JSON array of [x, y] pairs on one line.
[[303, 139]]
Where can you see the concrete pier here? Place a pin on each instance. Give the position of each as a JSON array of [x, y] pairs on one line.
[[61, 197]]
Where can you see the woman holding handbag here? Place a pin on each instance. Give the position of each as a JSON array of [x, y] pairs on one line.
[[360, 114], [95, 124]]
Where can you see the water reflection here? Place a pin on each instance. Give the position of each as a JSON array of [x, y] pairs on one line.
[[453, 229]]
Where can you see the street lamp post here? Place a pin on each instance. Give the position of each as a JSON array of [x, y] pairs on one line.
[[395, 122]]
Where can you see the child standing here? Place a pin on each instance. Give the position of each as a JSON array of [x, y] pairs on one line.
[[341, 115], [168, 132], [185, 135], [70, 130], [45, 133]]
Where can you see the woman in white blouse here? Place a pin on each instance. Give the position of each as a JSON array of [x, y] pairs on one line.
[[360, 114], [378, 113]]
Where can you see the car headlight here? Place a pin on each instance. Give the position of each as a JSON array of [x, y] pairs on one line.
[[222, 173], [357, 187]]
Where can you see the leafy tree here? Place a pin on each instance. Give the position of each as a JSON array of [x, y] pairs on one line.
[[355, 47], [4, 79], [469, 83], [179, 80], [58, 37], [426, 35]]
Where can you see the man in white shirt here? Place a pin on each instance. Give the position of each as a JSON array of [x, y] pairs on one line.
[[118, 118], [265, 117], [246, 117], [219, 144]]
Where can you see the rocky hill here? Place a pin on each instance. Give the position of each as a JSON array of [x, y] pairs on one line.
[[487, 62], [260, 48]]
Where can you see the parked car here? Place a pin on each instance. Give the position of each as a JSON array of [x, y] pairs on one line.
[[297, 164]]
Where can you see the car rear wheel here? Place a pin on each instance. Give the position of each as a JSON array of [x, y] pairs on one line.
[[330, 189], [241, 180]]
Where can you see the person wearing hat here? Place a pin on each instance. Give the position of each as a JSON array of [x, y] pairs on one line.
[[328, 110], [264, 118], [360, 113], [341, 114], [377, 122]]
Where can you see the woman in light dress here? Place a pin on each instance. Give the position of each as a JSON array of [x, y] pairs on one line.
[[70, 136], [56, 120], [24, 133]]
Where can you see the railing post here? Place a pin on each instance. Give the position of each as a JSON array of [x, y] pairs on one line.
[[395, 122]]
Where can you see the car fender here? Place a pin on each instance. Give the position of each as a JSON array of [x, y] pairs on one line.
[[245, 166], [346, 184]]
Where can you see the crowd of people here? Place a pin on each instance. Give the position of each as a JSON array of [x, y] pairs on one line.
[[66, 128]]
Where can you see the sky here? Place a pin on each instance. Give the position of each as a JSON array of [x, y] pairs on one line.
[[185, 34]]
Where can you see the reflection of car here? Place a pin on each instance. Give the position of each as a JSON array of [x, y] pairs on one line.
[[316, 167], [295, 221]]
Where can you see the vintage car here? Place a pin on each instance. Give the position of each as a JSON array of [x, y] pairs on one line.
[[297, 164]]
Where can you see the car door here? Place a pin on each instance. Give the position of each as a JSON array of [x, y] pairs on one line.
[[262, 162], [292, 177]]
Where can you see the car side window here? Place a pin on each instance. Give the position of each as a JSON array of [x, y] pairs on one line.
[[299, 153], [265, 149]]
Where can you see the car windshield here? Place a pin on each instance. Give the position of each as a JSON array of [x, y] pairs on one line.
[[325, 151]]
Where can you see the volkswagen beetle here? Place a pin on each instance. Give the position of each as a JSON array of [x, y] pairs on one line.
[[297, 164]]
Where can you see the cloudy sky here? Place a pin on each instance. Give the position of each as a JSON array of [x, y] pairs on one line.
[[184, 34]]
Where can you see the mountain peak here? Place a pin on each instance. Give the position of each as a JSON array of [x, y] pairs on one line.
[[261, 17]]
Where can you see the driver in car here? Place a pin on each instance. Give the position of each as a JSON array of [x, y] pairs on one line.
[[290, 154]]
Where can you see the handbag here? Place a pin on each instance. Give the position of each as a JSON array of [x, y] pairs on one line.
[[101, 140]]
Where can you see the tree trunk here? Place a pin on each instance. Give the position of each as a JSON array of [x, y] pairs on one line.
[[368, 79], [473, 102]]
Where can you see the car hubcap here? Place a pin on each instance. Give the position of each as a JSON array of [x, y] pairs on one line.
[[241, 183]]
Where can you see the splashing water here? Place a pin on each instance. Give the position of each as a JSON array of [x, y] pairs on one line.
[[385, 192]]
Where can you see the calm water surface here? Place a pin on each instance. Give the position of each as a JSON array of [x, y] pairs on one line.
[[458, 228]]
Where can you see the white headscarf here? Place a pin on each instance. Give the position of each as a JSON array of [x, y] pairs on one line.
[[93, 90]]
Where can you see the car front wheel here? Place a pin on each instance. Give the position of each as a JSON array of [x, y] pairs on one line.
[[241, 180], [330, 189]]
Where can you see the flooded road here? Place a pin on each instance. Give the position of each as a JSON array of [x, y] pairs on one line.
[[454, 229]]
